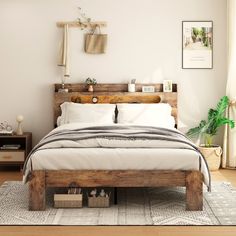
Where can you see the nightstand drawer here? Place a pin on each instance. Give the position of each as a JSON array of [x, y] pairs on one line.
[[12, 156]]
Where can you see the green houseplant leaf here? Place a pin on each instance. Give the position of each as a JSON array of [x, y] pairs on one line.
[[196, 131], [216, 118]]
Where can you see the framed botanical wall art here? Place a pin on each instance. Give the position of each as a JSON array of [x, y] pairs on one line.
[[197, 44]]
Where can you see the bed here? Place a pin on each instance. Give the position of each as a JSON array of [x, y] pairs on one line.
[[115, 155]]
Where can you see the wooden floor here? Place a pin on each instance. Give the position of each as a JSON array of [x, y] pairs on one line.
[[222, 175]]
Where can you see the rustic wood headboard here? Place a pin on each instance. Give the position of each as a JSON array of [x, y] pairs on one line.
[[114, 93]]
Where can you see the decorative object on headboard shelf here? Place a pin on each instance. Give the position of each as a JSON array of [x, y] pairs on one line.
[[63, 89], [167, 86], [148, 89], [90, 82], [131, 86]]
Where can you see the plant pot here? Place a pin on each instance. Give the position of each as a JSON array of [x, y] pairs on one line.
[[212, 155], [90, 88]]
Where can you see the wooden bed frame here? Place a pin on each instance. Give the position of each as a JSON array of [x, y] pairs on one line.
[[115, 93]]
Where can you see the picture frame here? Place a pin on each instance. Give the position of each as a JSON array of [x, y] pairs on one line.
[[167, 86], [197, 44]]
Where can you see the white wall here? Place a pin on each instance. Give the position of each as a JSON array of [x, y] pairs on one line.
[[144, 43]]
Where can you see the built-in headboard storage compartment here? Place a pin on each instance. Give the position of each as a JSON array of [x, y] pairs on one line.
[[113, 93]]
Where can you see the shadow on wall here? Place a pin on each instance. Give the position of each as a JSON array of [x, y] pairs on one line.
[[156, 77], [193, 105], [42, 124]]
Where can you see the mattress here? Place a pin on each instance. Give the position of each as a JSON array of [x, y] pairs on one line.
[[119, 154], [115, 159]]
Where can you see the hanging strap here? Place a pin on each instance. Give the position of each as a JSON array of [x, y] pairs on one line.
[[96, 27]]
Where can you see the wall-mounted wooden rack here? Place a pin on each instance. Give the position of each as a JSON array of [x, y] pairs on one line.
[[83, 24]]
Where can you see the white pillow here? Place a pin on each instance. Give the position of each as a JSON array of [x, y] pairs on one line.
[[158, 114], [58, 120], [167, 122], [87, 113]]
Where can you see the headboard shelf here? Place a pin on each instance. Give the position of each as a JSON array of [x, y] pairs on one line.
[[113, 93], [82, 87]]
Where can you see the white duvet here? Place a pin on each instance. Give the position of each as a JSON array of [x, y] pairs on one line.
[[112, 154]]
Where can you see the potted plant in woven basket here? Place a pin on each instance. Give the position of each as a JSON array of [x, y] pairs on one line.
[[208, 129]]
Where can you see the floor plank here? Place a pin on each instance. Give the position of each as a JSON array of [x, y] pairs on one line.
[[14, 174], [117, 230]]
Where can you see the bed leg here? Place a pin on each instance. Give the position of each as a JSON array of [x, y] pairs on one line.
[[115, 195], [37, 191], [194, 194]]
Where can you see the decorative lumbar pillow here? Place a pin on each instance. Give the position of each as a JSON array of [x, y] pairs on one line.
[[147, 114], [87, 113]]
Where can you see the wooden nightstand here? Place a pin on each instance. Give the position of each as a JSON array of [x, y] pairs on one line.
[[18, 156]]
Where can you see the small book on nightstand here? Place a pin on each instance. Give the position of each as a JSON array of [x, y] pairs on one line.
[[10, 146]]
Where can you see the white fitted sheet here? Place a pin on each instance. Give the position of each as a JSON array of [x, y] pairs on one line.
[[95, 154], [115, 159]]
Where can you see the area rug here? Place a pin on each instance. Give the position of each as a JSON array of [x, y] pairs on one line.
[[136, 206]]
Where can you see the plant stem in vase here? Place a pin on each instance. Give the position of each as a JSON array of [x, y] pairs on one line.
[[208, 140]]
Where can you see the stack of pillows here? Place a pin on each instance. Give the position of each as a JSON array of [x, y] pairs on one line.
[[155, 114]]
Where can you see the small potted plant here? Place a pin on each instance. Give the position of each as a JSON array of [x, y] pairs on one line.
[[208, 129], [90, 82]]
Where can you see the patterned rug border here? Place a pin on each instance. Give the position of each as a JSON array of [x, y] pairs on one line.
[[52, 216]]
